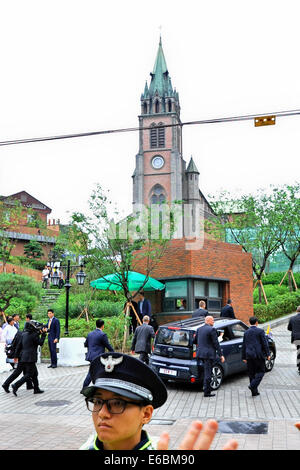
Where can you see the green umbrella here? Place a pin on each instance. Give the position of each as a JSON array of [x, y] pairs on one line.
[[134, 282]]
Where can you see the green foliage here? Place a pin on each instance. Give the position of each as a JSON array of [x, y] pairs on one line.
[[279, 306], [33, 249], [275, 279], [272, 292], [113, 327], [19, 292], [103, 304], [263, 224]]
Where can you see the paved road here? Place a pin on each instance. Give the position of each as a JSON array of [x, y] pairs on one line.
[[58, 419]]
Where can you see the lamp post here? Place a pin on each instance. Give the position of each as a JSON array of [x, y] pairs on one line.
[[80, 276]]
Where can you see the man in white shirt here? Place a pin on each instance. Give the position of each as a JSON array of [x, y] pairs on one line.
[[8, 335], [45, 277]]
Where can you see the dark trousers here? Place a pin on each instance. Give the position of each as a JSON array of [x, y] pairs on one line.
[[144, 357], [18, 371], [53, 354], [207, 371], [256, 371], [30, 373], [298, 354], [87, 380]]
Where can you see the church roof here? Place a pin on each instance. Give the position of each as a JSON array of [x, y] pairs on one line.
[[160, 80], [192, 167]]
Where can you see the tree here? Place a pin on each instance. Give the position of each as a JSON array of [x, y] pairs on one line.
[[118, 247], [14, 286], [252, 222], [33, 249], [287, 205], [10, 216]]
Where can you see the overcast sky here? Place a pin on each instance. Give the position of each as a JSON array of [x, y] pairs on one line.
[[73, 66]]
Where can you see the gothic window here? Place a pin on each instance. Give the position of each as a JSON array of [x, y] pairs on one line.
[[157, 195], [157, 106], [145, 108], [157, 136], [169, 106]]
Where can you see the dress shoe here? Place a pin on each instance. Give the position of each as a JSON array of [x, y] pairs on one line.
[[38, 390], [49, 367], [255, 394], [14, 389], [54, 367], [5, 388], [210, 395]]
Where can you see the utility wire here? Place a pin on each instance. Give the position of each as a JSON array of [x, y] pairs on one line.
[[134, 129]]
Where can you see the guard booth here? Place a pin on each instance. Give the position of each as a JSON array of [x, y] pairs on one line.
[[182, 294]]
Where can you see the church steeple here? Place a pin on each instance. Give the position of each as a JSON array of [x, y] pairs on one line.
[[160, 96]]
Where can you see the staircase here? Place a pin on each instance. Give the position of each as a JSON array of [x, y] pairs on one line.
[[47, 301]]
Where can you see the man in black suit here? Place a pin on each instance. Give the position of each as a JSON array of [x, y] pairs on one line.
[[144, 306], [294, 327], [141, 342], [206, 339], [96, 342], [53, 337], [26, 351], [254, 350], [201, 311], [227, 311]]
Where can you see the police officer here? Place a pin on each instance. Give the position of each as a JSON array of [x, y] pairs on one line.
[[124, 393]]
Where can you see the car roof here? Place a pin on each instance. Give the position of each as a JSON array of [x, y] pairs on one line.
[[195, 323]]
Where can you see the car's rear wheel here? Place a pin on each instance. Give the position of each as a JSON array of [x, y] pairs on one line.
[[216, 377], [270, 364]]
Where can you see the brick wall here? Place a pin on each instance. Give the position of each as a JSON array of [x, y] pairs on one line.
[[214, 260], [34, 273]]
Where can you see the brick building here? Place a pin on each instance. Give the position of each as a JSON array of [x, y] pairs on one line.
[[213, 271], [32, 224]]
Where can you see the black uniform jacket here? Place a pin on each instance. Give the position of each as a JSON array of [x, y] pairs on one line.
[[294, 327], [26, 349], [207, 342], [255, 344]]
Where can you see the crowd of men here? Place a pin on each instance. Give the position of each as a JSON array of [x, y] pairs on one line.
[[121, 391], [22, 349]]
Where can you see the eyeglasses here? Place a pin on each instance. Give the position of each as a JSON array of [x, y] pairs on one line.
[[115, 406]]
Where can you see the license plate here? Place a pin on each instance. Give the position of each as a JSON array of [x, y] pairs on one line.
[[167, 371]]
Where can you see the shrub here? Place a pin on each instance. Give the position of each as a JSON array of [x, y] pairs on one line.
[[275, 279], [98, 307], [272, 292], [282, 305]]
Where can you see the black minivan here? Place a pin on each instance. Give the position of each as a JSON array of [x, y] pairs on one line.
[[174, 354]]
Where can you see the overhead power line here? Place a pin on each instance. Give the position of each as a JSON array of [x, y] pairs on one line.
[[259, 120]]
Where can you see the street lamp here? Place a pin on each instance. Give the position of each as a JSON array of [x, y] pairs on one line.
[[80, 276]]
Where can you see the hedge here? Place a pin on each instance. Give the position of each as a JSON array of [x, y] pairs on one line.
[[282, 305]]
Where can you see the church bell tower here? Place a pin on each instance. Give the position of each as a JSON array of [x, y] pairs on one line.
[[160, 172]]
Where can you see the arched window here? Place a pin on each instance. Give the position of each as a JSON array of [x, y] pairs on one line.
[[157, 106], [157, 195], [145, 108], [169, 106]]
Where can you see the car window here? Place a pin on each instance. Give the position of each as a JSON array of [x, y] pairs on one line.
[[238, 330], [172, 337], [223, 334]]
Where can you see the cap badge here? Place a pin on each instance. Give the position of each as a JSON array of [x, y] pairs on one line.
[[110, 362]]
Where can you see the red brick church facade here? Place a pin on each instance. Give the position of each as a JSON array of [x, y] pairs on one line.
[[216, 271]]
